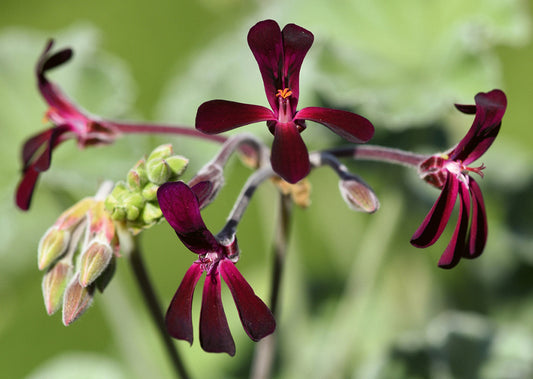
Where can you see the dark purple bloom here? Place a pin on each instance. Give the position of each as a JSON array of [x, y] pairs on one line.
[[181, 208], [69, 123], [451, 173], [279, 54]]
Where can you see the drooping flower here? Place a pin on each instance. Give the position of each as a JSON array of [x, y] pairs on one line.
[[451, 173], [280, 54], [217, 258], [69, 122]]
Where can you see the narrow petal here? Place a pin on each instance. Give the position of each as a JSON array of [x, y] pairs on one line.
[[350, 126], [478, 228], [296, 43], [215, 336], [256, 318], [217, 116], [458, 246], [289, 158], [266, 42], [181, 209], [437, 218], [179, 318], [33, 144], [47, 62], [490, 108], [25, 188]]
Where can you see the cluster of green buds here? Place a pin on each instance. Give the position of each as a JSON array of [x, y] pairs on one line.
[[134, 201], [78, 253]]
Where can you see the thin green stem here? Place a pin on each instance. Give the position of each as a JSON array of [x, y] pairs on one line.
[[152, 303], [265, 351]]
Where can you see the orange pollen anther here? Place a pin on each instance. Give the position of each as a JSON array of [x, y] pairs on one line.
[[284, 93]]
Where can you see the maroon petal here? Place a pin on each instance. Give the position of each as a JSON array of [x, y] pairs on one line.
[[437, 218], [178, 318], [215, 336], [33, 144], [266, 43], [350, 126], [256, 318], [47, 62], [181, 209], [490, 108], [25, 188], [478, 228], [457, 246], [296, 43], [289, 158], [217, 116], [42, 144]]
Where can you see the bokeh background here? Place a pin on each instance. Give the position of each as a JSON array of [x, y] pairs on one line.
[[357, 299]]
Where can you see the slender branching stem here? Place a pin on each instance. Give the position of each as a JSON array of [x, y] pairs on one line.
[[379, 153], [152, 303], [265, 351]]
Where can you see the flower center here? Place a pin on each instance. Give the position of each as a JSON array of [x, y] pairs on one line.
[[209, 261], [284, 108]]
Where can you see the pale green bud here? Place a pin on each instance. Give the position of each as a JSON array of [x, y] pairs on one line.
[[137, 177], [160, 152], [177, 164], [159, 171], [93, 261], [52, 246], [76, 300], [358, 195], [53, 286], [151, 213], [149, 191]]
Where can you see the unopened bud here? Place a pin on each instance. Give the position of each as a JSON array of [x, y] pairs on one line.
[[137, 177], [93, 261], [159, 171], [53, 286], [177, 165], [76, 300], [358, 195], [151, 213], [160, 152], [52, 246], [149, 191]]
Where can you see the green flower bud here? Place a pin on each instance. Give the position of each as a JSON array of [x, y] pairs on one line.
[[160, 152], [76, 300], [177, 164], [159, 171], [149, 191], [137, 177], [93, 261], [53, 286], [151, 213], [358, 195], [52, 246]]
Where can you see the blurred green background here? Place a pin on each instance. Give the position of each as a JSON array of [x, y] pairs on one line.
[[357, 299]]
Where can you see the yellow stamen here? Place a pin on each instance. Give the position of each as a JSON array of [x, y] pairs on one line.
[[284, 93]]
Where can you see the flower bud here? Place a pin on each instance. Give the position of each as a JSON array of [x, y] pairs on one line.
[[76, 301], [160, 152], [137, 177], [149, 191], [53, 285], [93, 261], [358, 195], [177, 165], [158, 171], [151, 213], [52, 246]]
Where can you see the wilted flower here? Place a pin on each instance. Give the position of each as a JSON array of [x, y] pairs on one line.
[[217, 258], [451, 173], [279, 54]]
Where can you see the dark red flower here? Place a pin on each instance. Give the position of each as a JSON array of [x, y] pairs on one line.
[[451, 173], [181, 209], [279, 54], [70, 122]]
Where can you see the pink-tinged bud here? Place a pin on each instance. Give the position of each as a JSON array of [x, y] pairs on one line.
[[53, 286], [137, 176], [358, 195], [93, 261], [52, 246], [75, 214], [76, 301]]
